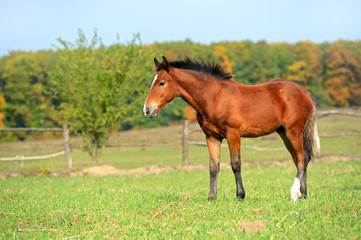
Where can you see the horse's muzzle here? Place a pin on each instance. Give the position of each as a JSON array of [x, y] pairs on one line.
[[150, 111]]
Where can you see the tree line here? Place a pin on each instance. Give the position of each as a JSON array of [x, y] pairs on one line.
[[107, 85]]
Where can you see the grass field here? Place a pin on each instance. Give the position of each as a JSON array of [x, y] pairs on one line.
[[173, 205]]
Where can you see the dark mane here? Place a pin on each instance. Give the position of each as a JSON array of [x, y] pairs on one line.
[[214, 69]]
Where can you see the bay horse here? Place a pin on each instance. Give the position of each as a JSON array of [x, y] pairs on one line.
[[227, 109]]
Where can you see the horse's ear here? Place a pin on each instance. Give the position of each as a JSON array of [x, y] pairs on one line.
[[156, 62], [165, 63]]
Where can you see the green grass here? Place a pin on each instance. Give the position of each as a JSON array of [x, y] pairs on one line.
[[173, 205]]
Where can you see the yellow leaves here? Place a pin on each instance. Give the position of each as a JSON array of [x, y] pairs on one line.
[[220, 52], [311, 54], [2, 101], [297, 65], [297, 72], [2, 116], [189, 113], [2, 107]]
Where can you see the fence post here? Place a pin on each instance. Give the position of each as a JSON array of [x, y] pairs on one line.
[[316, 139], [185, 141], [69, 161]]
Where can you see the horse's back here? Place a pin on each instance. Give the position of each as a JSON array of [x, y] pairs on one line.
[[287, 93], [265, 107]]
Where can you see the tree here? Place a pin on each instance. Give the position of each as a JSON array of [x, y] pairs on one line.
[[23, 89], [99, 86], [306, 69], [342, 75], [221, 53], [263, 65], [307, 64], [2, 108]]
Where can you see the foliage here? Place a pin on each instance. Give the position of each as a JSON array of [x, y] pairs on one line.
[[98, 86], [2, 107], [23, 80], [343, 75], [189, 113], [330, 71]]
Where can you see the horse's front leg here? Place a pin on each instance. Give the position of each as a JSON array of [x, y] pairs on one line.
[[234, 144], [214, 148]]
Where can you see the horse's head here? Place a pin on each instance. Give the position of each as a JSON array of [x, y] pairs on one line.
[[163, 89]]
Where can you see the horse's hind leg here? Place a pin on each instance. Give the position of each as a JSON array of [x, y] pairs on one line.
[[293, 140], [214, 148], [234, 144]]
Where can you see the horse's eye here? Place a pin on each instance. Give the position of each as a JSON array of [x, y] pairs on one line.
[[162, 84]]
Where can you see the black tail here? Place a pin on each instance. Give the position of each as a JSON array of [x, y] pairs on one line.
[[308, 136]]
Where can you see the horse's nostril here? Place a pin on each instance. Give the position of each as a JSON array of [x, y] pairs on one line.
[[150, 111]]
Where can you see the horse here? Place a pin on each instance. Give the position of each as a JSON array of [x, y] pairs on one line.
[[229, 110]]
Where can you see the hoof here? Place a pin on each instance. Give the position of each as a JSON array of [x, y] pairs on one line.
[[295, 195], [212, 198], [240, 199], [241, 196]]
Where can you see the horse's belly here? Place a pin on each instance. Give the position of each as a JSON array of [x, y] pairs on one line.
[[252, 132], [260, 125]]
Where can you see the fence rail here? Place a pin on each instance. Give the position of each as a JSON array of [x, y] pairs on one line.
[[320, 114], [195, 143], [22, 157], [144, 144], [67, 149], [185, 142], [31, 129], [325, 113]]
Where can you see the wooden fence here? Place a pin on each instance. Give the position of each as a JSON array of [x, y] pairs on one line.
[[185, 142], [67, 150], [320, 114], [326, 113]]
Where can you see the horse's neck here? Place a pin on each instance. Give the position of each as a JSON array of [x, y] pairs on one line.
[[194, 90]]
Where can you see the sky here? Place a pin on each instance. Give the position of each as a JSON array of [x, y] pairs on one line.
[[32, 25]]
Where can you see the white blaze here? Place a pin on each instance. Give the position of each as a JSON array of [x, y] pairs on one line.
[[155, 78], [296, 190]]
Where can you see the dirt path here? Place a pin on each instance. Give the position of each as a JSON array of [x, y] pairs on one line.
[[104, 170]]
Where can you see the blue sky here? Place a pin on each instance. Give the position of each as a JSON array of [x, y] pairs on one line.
[[36, 24]]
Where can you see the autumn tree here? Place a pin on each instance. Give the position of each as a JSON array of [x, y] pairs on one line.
[[2, 109], [307, 68], [342, 76], [220, 53], [189, 113], [99, 86]]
